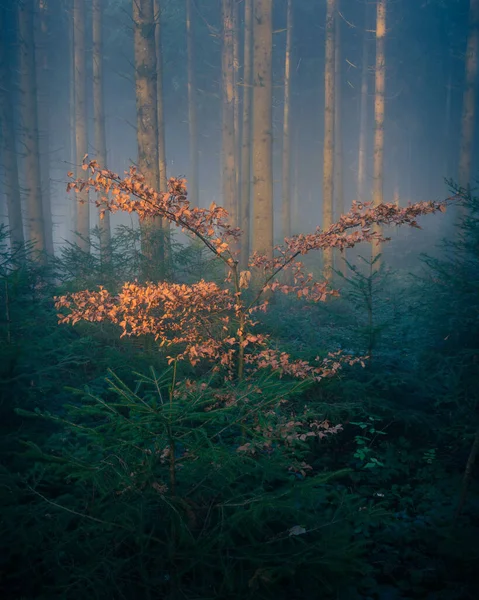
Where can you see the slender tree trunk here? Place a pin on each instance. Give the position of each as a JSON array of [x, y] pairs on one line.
[[447, 121], [363, 115], [71, 116], [81, 125], [379, 114], [338, 137], [99, 116], [262, 128], [286, 155], [29, 114], [165, 250], [469, 100], [8, 146], [236, 93], [328, 152], [246, 133], [193, 187], [147, 113], [295, 186], [228, 133], [43, 78]]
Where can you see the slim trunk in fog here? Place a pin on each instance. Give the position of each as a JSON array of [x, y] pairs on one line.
[[29, 118], [262, 127], [380, 83], [236, 93], [162, 177], [99, 115], [81, 142], [71, 118], [286, 154], [448, 120], [193, 179], [363, 116], [245, 186], [469, 99], [295, 225], [228, 133], [8, 147], [43, 79], [338, 136], [328, 152], [146, 106]]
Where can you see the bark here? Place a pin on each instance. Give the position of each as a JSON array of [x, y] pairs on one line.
[[9, 155], [29, 117], [363, 116], [380, 83], [236, 94], [228, 133], [99, 116], [286, 154], [71, 116], [328, 153], [469, 99], [147, 112], [262, 128], [81, 140], [193, 187], [338, 137], [43, 76], [246, 133], [162, 181]]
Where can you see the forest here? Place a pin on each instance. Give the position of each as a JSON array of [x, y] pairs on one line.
[[239, 299]]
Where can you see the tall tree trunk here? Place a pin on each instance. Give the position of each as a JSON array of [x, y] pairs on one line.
[[236, 94], [379, 98], [246, 133], [228, 133], [286, 155], [193, 187], [29, 114], [262, 128], [469, 100], [165, 250], [8, 147], [43, 78], [328, 153], [99, 116], [71, 118], [363, 114], [448, 120], [147, 111], [338, 137], [81, 125]]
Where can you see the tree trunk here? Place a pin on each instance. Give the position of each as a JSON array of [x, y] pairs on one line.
[[147, 112], [262, 128], [379, 115], [228, 133], [469, 99], [193, 179], [246, 134], [43, 78], [29, 116], [328, 155], [99, 116], [363, 115], [71, 116], [236, 95], [81, 125], [8, 147], [286, 155], [338, 137], [165, 250]]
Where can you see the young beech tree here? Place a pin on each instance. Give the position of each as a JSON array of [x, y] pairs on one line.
[[205, 321]]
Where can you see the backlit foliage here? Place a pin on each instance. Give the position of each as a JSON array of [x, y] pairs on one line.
[[205, 321]]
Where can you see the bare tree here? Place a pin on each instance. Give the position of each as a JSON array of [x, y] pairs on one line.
[[379, 101], [286, 154], [246, 132], [262, 127], [193, 188], [328, 152], [29, 118], [99, 114]]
